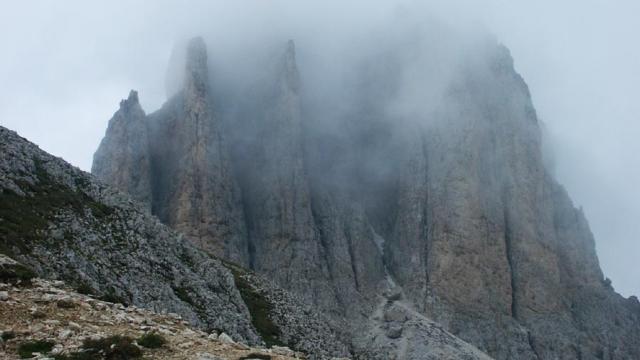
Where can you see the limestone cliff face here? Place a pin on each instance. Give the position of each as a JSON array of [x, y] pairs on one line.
[[485, 241], [193, 189], [453, 216], [123, 157], [182, 156]]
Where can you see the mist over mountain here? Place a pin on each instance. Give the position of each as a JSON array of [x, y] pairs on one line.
[[69, 63], [410, 176]]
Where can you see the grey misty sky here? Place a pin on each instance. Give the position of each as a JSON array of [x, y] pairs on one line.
[[66, 65]]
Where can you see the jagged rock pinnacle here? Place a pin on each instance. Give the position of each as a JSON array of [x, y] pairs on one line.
[[133, 96], [130, 101], [291, 51], [122, 159], [196, 70], [290, 70]]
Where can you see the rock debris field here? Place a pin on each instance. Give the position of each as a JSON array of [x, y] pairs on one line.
[[46, 320]]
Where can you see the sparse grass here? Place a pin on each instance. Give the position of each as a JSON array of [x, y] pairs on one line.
[[152, 340], [26, 349], [85, 289], [183, 294], [111, 296]]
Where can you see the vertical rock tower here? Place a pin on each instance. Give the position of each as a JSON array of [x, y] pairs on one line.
[[123, 158], [189, 180], [275, 185], [452, 216]]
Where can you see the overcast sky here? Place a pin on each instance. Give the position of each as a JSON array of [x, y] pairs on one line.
[[65, 65]]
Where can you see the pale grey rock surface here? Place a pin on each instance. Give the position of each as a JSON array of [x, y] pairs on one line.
[[395, 331], [288, 313]]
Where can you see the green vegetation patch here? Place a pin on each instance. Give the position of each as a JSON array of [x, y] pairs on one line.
[[111, 296], [14, 274], [27, 349], [183, 294], [84, 289], [259, 308], [8, 335], [152, 340]]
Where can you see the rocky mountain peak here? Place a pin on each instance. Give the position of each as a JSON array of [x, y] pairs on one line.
[[196, 68], [463, 219], [130, 101], [175, 158], [130, 108], [125, 144], [290, 73]]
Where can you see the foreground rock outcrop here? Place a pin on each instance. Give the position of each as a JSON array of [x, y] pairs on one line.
[[45, 319], [63, 322], [60, 223]]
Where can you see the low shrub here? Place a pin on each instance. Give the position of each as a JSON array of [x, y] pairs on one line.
[[16, 274], [26, 349], [85, 289], [152, 340], [8, 335]]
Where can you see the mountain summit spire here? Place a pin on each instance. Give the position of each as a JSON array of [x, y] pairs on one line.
[[196, 69], [130, 101], [126, 143], [290, 69]]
